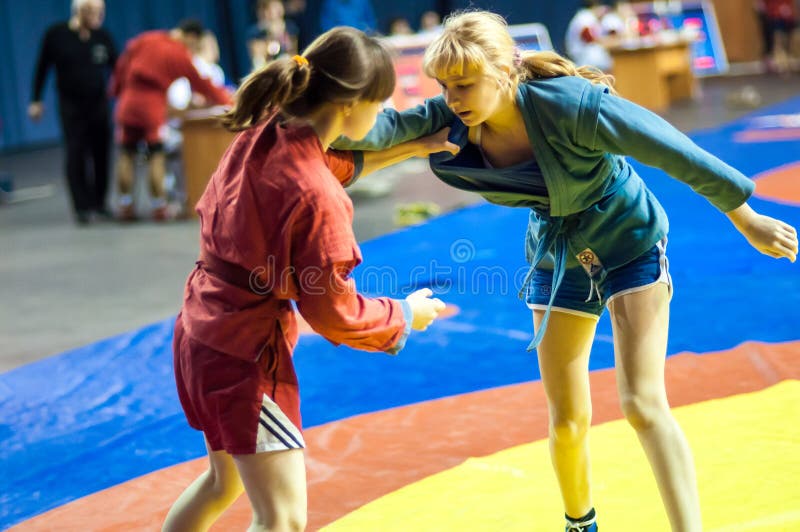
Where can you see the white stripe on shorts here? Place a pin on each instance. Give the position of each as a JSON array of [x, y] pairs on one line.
[[275, 431], [663, 277]]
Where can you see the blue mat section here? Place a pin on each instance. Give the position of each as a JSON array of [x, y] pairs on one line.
[[97, 416]]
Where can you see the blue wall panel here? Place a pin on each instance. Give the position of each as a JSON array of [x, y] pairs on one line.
[[23, 24]]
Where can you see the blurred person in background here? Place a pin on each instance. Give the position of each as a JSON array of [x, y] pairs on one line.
[[779, 20], [430, 21], [400, 26], [181, 99], [585, 35], [144, 73], [272, 35], [763, 26], [83, 55], [206, 60], [296, 14]]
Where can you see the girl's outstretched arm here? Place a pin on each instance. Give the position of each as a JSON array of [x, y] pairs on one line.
[[628, 129], [396, 127], [421, 147], [349, 166]]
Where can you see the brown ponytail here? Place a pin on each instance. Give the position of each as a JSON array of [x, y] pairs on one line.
[[265, 90], [341, 65]]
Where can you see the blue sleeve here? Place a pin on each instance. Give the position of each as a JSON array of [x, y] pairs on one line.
[[392, 127], [409, 317], [625, 128]]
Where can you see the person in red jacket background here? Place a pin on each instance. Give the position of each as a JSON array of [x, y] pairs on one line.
[[276, 228], [779, 20], [145, 70]]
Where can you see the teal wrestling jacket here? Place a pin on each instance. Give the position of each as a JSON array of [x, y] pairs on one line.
[[580, 135]]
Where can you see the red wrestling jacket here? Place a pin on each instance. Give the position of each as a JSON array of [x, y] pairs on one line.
[[276, 211], [144, 72]]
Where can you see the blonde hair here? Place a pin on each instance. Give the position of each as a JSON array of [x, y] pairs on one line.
[[342, 65], [479, 40], [78, 4]]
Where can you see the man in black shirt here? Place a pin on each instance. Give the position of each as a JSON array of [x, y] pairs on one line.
[[83, 55]]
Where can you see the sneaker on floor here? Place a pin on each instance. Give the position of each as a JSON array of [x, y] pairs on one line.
[[584, 526], [102, 215], [587, 523], [83, 217], [126, 213], [166, 212], [160, 214]]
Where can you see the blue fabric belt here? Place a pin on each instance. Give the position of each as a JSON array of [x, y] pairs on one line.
[[555, 239]]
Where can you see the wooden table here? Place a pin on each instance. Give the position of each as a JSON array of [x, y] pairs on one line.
[[654, 76], [204, 142]]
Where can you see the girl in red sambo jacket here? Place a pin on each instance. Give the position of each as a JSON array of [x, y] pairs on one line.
[[276, 227]]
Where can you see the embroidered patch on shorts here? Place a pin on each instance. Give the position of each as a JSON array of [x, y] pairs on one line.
[[590, 262]]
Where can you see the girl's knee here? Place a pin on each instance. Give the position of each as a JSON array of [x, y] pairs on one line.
[[643, 412], [297, 522], [227, 485], [294, 517], [570, 430], [285, 520]]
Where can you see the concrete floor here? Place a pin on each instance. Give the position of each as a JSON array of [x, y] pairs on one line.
[[64, 286]]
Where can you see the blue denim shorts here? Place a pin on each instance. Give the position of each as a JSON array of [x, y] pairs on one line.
[[579, 295]]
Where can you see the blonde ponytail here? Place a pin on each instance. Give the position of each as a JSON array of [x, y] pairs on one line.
[[539, 65]]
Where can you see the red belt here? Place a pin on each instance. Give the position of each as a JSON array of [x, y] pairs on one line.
[[229, 272]]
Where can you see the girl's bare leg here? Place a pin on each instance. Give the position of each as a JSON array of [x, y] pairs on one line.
[[201, 504], [564, 365], [640, 321]]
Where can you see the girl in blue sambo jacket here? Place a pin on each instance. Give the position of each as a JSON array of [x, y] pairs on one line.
[[536, 131]]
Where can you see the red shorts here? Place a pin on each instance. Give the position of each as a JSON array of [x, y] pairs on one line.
[[236, 404], [130, 136]]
